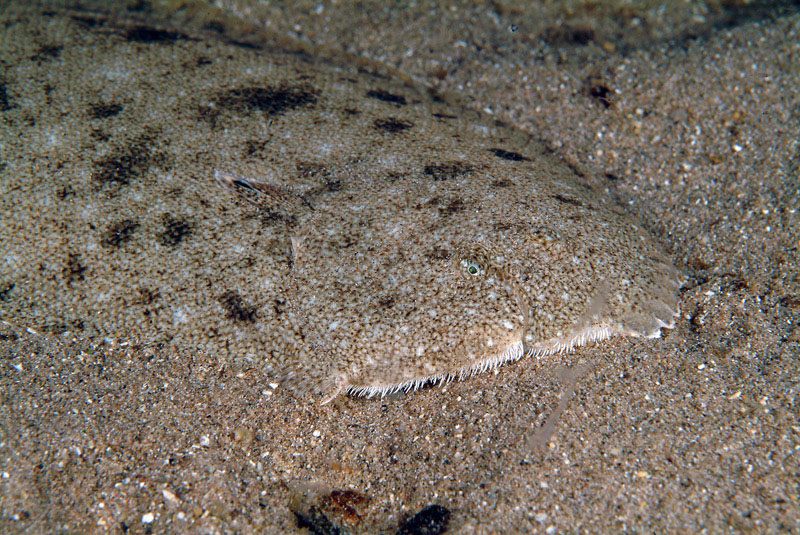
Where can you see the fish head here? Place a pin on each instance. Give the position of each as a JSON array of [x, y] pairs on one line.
[[394, 298]]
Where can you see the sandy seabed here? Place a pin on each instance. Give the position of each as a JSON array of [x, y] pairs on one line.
[[692, 122]]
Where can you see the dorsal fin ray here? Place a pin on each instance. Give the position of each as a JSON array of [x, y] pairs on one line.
[[268, 197]]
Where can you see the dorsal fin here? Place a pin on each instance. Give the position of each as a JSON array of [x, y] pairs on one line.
[[269, 197]]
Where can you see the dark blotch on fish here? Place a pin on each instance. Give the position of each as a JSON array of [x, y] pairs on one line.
[[272, 100], [74, 270], [385, 96], [119, 233], [509, 155], [102, 110], [237, 308], [392, 125], [175, 230], [127, 163], [447, 171]]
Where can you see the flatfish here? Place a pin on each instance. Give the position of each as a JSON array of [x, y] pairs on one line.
[[297, 217]]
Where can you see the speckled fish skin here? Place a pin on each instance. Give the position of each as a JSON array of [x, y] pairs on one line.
[[371, 237], [419, 279]]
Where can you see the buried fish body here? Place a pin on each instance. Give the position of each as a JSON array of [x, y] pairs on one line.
[[387, 239]]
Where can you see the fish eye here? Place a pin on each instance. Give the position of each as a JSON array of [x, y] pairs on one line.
[[471, 267]]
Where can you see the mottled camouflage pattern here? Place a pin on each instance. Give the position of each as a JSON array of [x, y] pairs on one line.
[[381, 237]]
